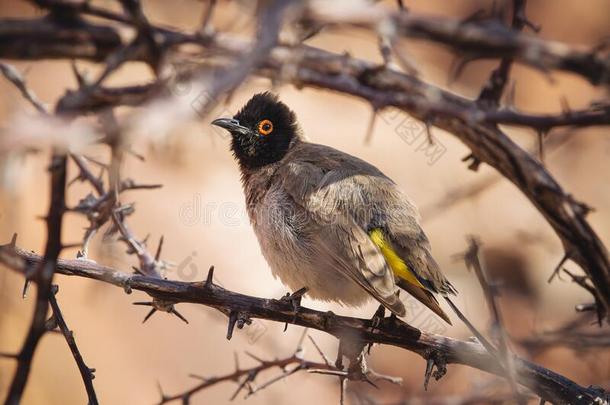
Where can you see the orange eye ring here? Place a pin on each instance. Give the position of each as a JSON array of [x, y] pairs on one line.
[[265, 127]]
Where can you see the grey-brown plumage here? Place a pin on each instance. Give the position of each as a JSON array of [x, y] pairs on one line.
[[314, 208]]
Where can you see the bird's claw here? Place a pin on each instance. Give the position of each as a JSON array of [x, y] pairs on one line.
[[376, 321], [377, 318]]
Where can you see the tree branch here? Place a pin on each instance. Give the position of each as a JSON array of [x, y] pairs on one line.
[[43, 277], [85, 372], [545, 383], [483, 39]]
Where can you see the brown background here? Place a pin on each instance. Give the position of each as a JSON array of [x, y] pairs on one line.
[[200, 211]]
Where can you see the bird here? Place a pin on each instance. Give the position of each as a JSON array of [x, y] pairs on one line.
[[328, 221]]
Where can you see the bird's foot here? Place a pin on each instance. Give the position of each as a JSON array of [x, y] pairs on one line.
[[377, 318], [376, 321], [294, 299]]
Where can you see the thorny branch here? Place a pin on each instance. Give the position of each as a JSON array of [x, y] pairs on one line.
[[41, 274], [486, 38], [391, 331], [245, 378], [473, 261], [85, 372]]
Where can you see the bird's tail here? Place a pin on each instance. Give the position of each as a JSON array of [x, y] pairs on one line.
[[425, 297]]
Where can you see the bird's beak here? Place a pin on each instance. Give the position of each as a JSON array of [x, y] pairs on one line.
[[231, 125]]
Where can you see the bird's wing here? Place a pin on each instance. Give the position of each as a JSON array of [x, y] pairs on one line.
[[414, 249], [346, 247], [410, 281], [330, 184]]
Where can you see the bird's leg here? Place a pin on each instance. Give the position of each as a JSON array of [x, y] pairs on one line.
[[393, 316], [377, 317], [295, 299], [376, 320]]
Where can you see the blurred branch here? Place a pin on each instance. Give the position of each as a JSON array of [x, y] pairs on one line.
[[56, 38], [245, 377], [484, 39], [473, 262], [391, 331], [17, 79], [573, 334], [42, 276]]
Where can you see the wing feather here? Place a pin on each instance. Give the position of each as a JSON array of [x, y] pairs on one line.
[[347, 197]]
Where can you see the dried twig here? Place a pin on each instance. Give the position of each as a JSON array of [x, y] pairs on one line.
[[85, 372], [494, 88], [575, 334], [473, 262]]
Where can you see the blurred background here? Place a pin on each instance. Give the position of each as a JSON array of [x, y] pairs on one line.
[[200, 211]]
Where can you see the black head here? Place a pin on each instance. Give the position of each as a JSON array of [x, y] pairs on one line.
[[262, 130]]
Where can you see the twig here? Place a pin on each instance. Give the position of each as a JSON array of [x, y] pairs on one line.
[[85, 372], [494, 88], [473, 262], [15, 77], [250, 375], [573, 334]]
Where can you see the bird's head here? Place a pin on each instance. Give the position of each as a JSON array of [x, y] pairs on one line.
[[262, 131]]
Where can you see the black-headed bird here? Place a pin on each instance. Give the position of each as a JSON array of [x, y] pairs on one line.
[[326, 220]]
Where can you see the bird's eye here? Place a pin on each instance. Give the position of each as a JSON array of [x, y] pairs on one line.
[[265, 127]]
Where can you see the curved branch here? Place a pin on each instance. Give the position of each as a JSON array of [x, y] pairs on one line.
[[545, 383]]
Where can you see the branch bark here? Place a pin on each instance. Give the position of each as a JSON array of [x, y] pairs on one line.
[[85, 372], [545, 383], [485, 39], [43, 277]]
